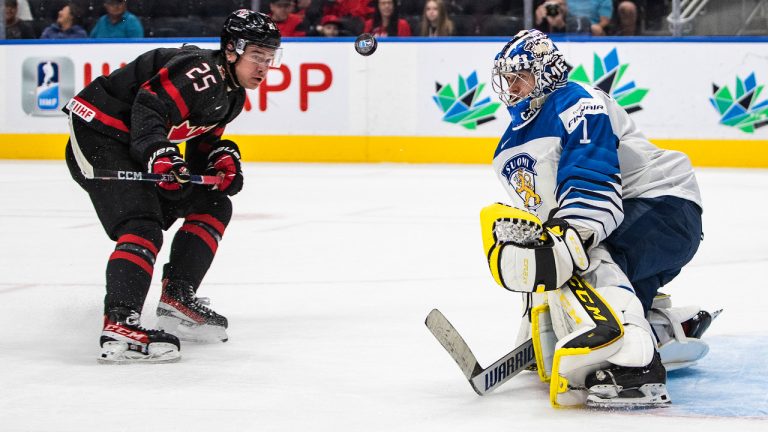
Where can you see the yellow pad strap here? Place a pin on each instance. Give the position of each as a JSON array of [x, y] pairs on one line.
[[536, 336]]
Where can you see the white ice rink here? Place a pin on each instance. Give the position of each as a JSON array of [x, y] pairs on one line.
[[326, 274]]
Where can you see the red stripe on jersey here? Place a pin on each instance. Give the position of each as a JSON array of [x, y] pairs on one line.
[[132, 258], [131, 238], [146, 86], [208, 220], [204, 235], [173, 92], [104, 117]]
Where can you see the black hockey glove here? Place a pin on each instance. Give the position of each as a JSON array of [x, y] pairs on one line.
[[167, 160], [224, 161]]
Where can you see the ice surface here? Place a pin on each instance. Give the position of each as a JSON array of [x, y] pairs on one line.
[[326, 274]]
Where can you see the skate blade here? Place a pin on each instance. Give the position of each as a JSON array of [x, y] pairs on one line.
[[606, 397], [117, 353], [203, 334], [188, 331]]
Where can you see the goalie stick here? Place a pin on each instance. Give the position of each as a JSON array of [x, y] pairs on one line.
[[482, 380]]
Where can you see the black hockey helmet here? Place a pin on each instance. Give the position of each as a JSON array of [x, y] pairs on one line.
[[243, 27]]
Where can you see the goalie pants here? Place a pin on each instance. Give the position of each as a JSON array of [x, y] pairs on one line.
[[656, 239], [134, 215]]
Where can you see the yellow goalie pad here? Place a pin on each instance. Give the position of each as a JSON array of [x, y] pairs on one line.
[[574, 332]]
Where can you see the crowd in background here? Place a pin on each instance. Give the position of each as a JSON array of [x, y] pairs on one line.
[[57, 19]]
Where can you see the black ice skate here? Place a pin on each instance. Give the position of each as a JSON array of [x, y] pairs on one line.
[[629, 387], [123, 340], [188, 317]]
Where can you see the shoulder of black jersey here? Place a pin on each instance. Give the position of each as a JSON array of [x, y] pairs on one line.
[[190, 54]]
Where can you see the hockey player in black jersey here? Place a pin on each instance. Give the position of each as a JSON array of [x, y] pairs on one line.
[[132, 120]]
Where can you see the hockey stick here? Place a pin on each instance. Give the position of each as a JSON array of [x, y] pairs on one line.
[[482, 380], [91, 173], [102, 174]]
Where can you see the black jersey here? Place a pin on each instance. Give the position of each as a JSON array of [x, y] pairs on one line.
[[167, 95]]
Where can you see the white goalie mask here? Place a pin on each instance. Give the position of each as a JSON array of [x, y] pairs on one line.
[[525, 71]]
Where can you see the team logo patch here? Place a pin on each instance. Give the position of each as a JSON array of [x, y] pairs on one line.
[[521, 175], [81, 110], [185, 131]]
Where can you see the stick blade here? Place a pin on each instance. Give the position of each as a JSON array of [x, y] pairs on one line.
[[452, 341], [505, 368]]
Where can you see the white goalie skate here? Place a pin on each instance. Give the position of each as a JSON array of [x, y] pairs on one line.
[[679, 332]]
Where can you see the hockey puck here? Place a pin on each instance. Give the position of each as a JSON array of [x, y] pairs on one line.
[[366, 44]]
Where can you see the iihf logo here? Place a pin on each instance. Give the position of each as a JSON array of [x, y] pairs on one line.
[[47, 94], [47, 84], [521, 175]]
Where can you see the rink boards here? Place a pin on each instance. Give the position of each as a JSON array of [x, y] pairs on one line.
[[419, 101]]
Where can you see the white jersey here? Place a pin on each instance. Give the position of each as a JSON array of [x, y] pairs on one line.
[[582, 155]]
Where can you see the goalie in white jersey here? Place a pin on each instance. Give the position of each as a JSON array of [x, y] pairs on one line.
[[613, 217]]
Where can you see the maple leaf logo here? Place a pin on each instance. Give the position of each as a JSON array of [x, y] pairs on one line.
[[186, 131]]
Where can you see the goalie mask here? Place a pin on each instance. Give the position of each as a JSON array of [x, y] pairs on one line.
[[527, 69]]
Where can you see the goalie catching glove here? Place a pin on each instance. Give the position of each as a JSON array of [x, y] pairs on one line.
[[527, 255]]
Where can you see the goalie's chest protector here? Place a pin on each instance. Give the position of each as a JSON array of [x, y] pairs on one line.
[[526, 162]]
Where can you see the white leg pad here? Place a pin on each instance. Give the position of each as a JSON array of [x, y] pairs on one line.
[[589, 332], [639, 343]]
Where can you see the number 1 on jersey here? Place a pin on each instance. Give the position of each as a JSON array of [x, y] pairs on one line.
[[585, 138]]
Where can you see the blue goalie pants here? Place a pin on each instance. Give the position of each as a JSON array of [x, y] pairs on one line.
[[656, 239]]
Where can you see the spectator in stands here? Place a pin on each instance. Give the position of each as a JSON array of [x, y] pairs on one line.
[[14, 27], [301, 7], [117, 22], [599, 13], [626, 17], [310, 13], [386, 21], [552, 17], [288, 23], [329, 26], [347, 8], [65, 26], [435, 21]]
